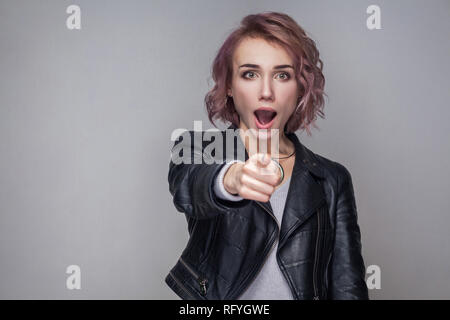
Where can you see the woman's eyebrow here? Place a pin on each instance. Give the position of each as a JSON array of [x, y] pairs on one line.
[[258, 67]]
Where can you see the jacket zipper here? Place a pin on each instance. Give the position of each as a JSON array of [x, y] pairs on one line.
[[326, 270], [201, 281], [271, 248], [324, 273], [181, 286], [316, 260]]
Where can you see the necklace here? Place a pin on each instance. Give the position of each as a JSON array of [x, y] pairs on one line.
[[280, 166], [286, 157]]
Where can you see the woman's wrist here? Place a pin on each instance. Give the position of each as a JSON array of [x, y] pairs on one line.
[[229, 180]]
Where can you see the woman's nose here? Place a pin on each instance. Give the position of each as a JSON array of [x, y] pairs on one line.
[[266, 89]]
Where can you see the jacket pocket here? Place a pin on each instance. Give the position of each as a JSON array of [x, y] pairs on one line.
[[177, 286], [201, 281]]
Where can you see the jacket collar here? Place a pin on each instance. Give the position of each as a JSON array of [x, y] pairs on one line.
[[305, 193]]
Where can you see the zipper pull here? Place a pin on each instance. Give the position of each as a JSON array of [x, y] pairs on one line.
[[203, 283]]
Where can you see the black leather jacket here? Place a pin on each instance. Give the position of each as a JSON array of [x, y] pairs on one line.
[[319, 251]]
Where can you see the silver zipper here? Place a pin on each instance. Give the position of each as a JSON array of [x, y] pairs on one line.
[[316, 260], [271, 248], [201, 281]]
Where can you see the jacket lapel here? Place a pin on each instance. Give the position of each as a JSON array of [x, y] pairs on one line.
[[305, 194]]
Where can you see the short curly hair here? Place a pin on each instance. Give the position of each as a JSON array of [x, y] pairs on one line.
[[280, 29]]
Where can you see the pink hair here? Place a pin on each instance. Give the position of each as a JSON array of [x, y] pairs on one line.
[[280, 29]]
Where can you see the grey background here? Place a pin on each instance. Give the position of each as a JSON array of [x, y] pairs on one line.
[[86, 117]]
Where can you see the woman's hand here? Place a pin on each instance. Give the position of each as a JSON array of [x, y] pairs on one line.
[[255, 179]]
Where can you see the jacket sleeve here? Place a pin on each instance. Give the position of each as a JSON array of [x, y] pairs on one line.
[[191, 184], [347, 265]]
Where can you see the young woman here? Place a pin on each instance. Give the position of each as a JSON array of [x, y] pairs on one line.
[[278, 224]]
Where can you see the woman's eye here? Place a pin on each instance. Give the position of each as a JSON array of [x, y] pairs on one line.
[[286, 75], [248, 72]]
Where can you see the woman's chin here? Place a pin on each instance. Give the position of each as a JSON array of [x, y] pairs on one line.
[[265, 134]]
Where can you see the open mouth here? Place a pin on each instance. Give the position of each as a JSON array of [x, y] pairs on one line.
[[264, 117]]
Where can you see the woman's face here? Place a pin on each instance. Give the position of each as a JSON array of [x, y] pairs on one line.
[[264, 87]]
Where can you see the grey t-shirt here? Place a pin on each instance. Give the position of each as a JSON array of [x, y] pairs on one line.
[[270, 283]]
